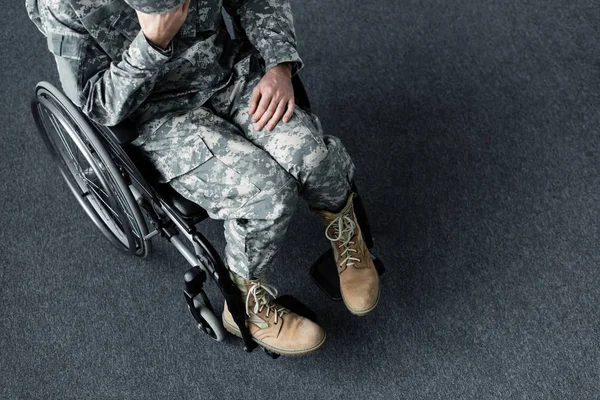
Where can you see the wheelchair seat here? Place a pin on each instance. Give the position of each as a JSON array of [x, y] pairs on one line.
[[183, 206], [123, 133]]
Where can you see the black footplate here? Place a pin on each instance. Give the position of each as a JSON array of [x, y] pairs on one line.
[[324, 274]]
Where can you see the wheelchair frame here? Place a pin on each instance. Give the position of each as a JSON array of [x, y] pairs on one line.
[[115, 168], [165, 217]]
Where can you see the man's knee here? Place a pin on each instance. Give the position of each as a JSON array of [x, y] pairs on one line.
[[298, 144]]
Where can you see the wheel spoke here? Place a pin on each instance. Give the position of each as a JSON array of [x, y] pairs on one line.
[[99, 197], [63, 140], [123, 204], [127, 213], [88, 162], [124, 207], [88, 180], [106, 216]]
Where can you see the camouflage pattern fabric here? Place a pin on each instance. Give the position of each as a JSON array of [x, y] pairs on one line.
[[154, 6], [190, 104], [107, 67], [250, 179]]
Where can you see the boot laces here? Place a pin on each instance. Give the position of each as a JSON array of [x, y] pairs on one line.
[[343, 229], [259, 292]]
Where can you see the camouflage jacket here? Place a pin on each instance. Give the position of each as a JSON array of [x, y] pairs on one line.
[[107, 67]]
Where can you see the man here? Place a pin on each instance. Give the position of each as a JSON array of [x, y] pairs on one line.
[[216, 117]]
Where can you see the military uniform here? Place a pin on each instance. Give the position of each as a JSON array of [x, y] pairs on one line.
[[190, 104]]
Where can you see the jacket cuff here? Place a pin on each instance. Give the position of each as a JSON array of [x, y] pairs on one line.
[[168, 52], [278, 53], [141, 54]]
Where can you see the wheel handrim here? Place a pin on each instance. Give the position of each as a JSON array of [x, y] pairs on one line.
[[89, 180]]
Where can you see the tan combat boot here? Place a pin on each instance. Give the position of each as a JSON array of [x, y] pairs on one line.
[[359, 280], [272, 326]]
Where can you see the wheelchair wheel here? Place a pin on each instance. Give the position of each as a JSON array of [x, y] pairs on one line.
[[212, 325], [95, 177]]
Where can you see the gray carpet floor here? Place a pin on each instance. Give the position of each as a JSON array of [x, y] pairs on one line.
[[474, 127]]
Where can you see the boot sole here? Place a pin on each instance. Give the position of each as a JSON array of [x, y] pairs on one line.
[[234, 330]]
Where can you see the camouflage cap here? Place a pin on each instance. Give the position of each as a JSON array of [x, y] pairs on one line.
[[154, 6]]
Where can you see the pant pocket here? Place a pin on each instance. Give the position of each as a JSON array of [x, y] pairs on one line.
[[172, 157], [172, 144], [216, 187]]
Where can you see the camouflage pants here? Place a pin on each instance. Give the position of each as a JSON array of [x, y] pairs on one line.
[[252, 180]]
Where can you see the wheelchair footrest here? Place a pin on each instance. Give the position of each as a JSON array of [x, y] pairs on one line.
[[295, 305], [324, 273]]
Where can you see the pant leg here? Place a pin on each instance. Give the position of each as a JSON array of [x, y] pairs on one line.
[[320, 163], [239, 183]]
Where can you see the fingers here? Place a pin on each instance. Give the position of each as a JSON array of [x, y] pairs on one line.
[[261, 107], [267, 114], [290, 110], [185, 6], [270, 103], [254, 102], [277, 116]]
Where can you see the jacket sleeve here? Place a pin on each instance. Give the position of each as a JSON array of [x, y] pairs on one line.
[[269, 26], [107, 91]]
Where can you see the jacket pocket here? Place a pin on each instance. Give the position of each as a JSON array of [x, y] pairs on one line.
[[188, 29], [68, 53], [67, 46], [127, 24], [113, 26], [209, 15]]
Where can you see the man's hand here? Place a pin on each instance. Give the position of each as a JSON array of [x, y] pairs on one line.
[[160, 29], [273, 98]]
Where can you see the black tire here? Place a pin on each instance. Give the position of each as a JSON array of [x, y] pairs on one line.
[[214, 328], [94, 177]]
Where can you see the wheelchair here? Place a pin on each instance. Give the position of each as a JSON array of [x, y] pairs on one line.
[[117, 188]]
